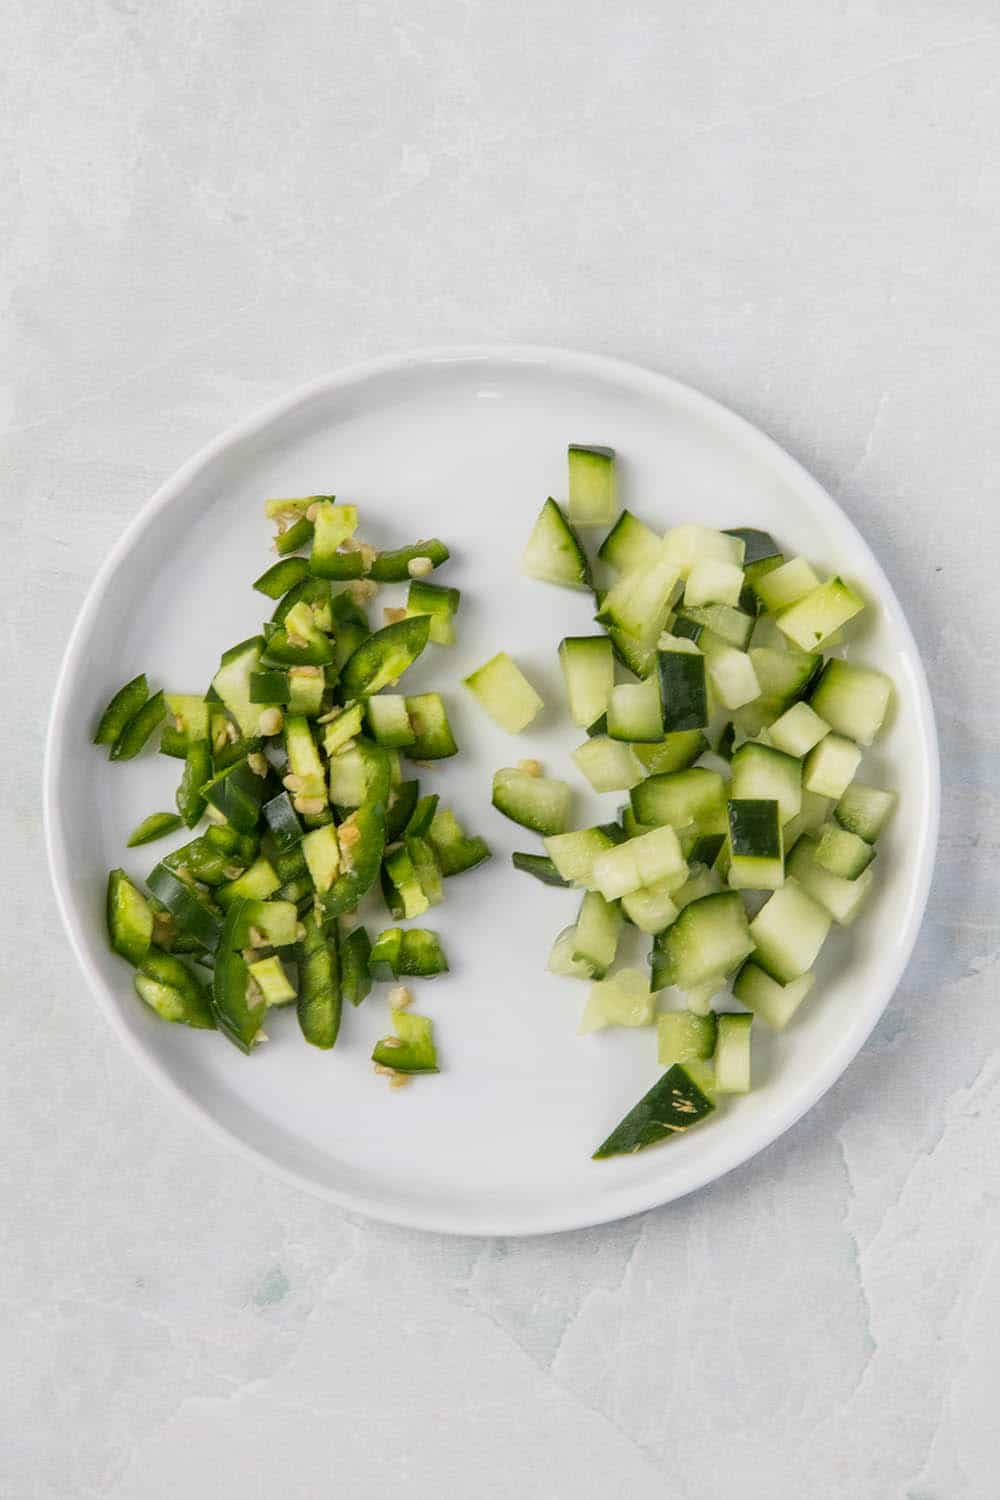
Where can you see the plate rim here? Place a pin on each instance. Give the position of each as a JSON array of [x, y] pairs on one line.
[[570, 361]]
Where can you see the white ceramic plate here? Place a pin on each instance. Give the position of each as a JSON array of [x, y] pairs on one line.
[[467, 444]]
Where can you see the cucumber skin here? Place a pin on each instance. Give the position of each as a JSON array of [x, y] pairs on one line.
[[673, 1105]]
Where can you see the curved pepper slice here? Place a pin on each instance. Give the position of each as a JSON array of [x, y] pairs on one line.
[[124, 706], [383, 657], [320, 999], [237, 1011], [362, 843], [394, 567], [139, 728]]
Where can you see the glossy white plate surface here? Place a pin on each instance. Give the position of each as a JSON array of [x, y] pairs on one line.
[[466, 444]]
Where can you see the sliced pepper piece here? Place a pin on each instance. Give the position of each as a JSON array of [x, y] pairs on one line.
[[123, 707], [156, 826], [173, 991], [197, 771], [394, 567], [281, 577], [355, 979], [238, 1005], [138, 729], [362, 841], [383, 657], [320, 1001], [237, 792], [401, 807], [130, 918], [412, 1048]]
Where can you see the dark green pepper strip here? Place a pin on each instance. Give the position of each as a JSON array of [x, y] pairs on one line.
[[298, 535], [237, 792], [320, 1000], [130, 918], [309, 590], [121, 710], [195, 1004], [383, 960], [355, 980], [412, 953], [270, 687], [346, 610], [238, 1018], [204, 863], [390, 895], [188, 908], [383, 657], [673, 1105], [422, 817], [197, 771], [243, 846], [174, 742], [540, 866], [282, 576], [156, 826], [138, 729], [412, 1048], [281, 651], [337, 565], [350, 635], [401, 810], [365, 856], [394, 567], [283, 822]]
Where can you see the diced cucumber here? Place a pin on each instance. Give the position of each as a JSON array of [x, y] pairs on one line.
[[321, 851], [843, 899], [348, 777], [709, 938], [623, 1000], [276, 921], [651, 908], [702, 881], [690, 544], [732, 1054], [789, 930], [192, 713], [639, 601], [130, 918], [270, 978], [682, 1037], [672, 1105], [441, 604], [456, 850], [702, 848], [232, 684], [853, 700], [591, 485], [785, 585], [843, 853], [864, 810], [730, 625], [639, 657], [647, 860], [343, 727], [588, 668], [760, 771], [813, 620], [537, 802], [553, 553], [256, 883], [814, 812], [757, 856], [573, 854], [505, 693], [630, 823], [389, 721], [731, 673], [629, 544], [829, 768], [674, 752], [609, 765], [775, 1003], [598, 928], [562, 960], [797, 730], [332, 526], [683, 689], [712, 582], [679, 798], [303, 756], [433, 739], [634, 712]]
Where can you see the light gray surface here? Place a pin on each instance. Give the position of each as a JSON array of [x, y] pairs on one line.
[[795, 208]]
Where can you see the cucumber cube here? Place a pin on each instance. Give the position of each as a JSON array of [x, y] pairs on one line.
[[713, 582], [797, 730], [775, 1003], [829, 768], [625, 1000], [591, 485], [789, 931], [505, 693], [812, 620]]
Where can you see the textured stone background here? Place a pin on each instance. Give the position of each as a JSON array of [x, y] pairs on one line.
[[795, 207]]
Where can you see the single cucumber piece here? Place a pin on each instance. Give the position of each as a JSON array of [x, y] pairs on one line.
[[275, 921], [598, 928], [675, 752], [731, 625], [690, 544], [333, 525], [789, 930], [139, 728], [775, 1003], [647, 860], [634, 712], [637, 656], [683, 687], [190, 718], [320, 1001], [303, 757], [732, 1054], [562, 960], [814, 619], [672, 1105], [710, 938], [440, 604], [281, 577], [271, 688], [355, 952], [702, 881], [256, 883], [785, 585], [623, 1000], [123, 707], [432, 735], [389, 721], [537, 802], [843, 899], [701, 848], [554, 553], [757, 855], [232, 683], [415, 953], [422, 816], [683, 1037], [540, 866], [456, 850], [269, 975], [609, 765], [591, 485], [864, 810], [713, 582], [321, 851], [344, 726], [573, 854], [405, 894], [651, 908], [829, 768], [506, 694], [813, 814], [156, 826], [411, 1049], [797, 730], [382, 658], [588, 668], [306, 687], [639, 601], [853, 700], [629, 544], [394, 567], [129, 917], [679, 798], [760, 771], [731, 673], [843, 853]]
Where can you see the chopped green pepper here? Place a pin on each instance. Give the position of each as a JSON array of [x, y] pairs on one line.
[[362, 841], [197, 771], [394, 567], [355, 979], [383, 657], [320, 1001], [238, 1003], [282, 576], [123, 707], [156, 826], [173, 991], [139, 728]]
